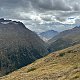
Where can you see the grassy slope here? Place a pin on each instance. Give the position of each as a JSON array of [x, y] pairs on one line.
[[64, 65]]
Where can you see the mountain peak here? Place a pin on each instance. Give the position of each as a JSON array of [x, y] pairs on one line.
[[77, 27], [4, 21], [47, 35], [19, 46]]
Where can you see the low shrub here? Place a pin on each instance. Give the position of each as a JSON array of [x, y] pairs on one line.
[[31, 69], [62, 54]]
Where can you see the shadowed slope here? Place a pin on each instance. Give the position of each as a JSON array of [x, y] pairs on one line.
[[65, 39], [60, 65], [18, 46]]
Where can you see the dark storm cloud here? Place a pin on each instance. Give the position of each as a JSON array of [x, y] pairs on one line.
[[36, 12], [37, 4], [14, 3], [76, 7], [50, 5]]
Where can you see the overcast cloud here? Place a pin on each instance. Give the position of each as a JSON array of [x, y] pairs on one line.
[[39, 15]]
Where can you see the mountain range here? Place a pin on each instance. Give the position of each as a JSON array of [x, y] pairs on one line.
[[64, 39], [47, 35]]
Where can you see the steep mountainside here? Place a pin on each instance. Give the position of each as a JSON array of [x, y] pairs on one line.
[[65, 39], [60, 65], [48, 35], [18, 46]]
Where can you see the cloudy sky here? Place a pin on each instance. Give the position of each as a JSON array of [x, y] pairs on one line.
[[42, 15]]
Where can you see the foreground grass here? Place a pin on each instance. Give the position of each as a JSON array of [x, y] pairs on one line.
[[60, 65]]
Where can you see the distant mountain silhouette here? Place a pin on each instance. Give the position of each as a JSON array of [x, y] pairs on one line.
[[18, 46], [47, 35]]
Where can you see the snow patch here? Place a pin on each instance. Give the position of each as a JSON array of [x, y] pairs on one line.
[[5, 22]]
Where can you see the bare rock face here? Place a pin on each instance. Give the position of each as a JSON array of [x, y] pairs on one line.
[[18, 46]]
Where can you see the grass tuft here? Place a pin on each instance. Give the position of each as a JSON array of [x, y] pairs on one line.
[[31, 69]]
